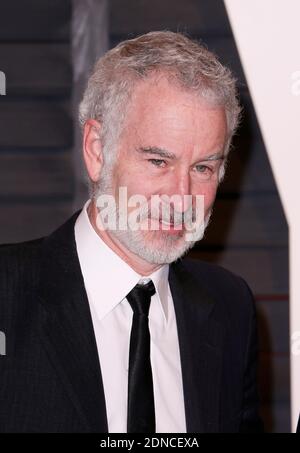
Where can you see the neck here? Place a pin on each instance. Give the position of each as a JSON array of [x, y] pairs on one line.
[[139, 265]]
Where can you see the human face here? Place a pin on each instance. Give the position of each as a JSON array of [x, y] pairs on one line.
[[172, 144]]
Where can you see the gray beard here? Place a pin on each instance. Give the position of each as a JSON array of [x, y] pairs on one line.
[[160, 247]]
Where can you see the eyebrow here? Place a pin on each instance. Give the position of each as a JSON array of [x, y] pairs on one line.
[[213, 157], [154, 150]]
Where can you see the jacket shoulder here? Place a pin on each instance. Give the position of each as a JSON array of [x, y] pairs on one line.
[[18, 254], [222, 284], [210, 270], [19, 267]]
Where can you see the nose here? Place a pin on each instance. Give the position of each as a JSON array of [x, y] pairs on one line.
[[180, 191]]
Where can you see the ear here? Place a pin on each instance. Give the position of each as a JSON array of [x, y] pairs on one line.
[[92, 149]]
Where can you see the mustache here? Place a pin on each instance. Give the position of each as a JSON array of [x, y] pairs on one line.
[[167, 215]]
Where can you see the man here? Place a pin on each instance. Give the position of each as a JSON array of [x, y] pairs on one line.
[[107, 329]]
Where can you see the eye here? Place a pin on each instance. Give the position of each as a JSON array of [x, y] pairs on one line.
[[157, 162], [204, 172], [203, 169]]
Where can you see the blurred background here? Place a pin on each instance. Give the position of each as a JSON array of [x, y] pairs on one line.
[[47, 49]]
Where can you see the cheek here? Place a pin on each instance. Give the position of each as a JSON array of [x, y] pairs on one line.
[[131, 175], [135, 186], [138, 187], [137, 183], [125, 179], [209, 192]]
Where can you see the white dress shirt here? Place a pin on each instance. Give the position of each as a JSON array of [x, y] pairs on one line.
[[108, 279]]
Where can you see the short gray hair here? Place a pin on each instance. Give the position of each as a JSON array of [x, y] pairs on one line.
[[187, 62]]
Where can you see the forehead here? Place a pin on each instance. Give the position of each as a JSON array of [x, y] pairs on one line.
[[163, 114]]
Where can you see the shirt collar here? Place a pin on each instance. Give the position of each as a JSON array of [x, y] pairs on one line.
[[108, 278]]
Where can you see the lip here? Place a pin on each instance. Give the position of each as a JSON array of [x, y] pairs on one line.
[[171, 227], [166, 223]]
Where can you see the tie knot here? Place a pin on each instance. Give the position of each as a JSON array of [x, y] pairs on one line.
[[140, 298]]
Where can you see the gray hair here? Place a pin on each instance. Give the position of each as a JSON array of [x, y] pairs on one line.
[[186, 62]]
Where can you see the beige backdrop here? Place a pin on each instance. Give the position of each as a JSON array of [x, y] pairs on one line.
[[267, 34]]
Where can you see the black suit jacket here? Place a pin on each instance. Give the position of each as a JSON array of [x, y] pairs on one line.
[[50, 377]]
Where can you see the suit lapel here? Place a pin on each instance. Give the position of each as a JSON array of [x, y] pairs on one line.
[[67, 334], [66, 327], [200, 343]]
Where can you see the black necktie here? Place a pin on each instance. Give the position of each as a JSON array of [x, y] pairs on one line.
[[141, 412]]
